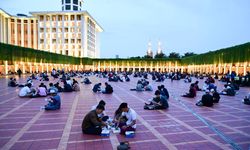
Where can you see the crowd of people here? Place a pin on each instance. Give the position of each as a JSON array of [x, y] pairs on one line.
[[124, 117]]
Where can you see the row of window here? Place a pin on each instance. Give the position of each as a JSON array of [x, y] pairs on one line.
[[24, 21], [61, 30], [59, 17], [68, 7], [54, 41], [69, 1]]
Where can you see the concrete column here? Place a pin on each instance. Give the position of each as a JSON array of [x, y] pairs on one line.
[[122, 66], [99, 65], [30, 66], [139, 66], [6, 70], [230, 68], [110, 66], [15, 66], [245, 68], [134, 66], [151, 66], [23, 68], [181, 69], [157, 66], [225, 65], [47, 67], [237, 68], [116, 66], [36, 65]]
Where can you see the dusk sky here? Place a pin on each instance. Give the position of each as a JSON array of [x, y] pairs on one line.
[[181, 25]]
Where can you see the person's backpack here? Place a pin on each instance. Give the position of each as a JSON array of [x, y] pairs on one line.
[[123, 146]]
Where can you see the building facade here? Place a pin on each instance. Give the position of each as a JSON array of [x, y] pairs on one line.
[[70, 32]]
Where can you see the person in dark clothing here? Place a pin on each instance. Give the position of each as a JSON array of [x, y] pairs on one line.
[[246, 100], [19, 72], [97, 87], [12, 82], [159, 102], [86, 81], [54, 102], [67, 87], [206, 100], [108, 89], [196, 86], [60, 89], [192, 92], [164, 92], [216, 96], [91, 123]]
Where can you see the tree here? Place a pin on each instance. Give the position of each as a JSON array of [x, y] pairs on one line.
[[161, 55], [187, 54], [148, 57], [174, 55]]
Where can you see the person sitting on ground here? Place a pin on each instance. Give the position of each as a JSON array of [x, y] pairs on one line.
[[41, 91], [12, 82], [196, 86], [139, 87], [148, 87], [228, 91], [57, 85], [86, 81], [188, 79], [130, 114], [206, 100], [103, 115], [54, 102], [118, 116], [108, 89], [246, 100], [52, 87], [67, 87], [91, 123], [192, 92], [216, 96], [164, 91], [69, 81], [75, 86], [159, 102], [43, 85], [26, 91], [127, 78], [97, 87]]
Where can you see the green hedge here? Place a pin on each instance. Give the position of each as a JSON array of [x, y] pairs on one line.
[[235, 54]]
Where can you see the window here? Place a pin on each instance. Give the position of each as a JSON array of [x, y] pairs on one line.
[[54, 41], [41, 18], [67, 52], [62, 2], [68, 1], [41, 29], [75, 8], [67, 7], [53, 29], [66, 41], [78, 17], [25, 21], [75, 2], [72, 17], [60, 51], [72, 40], [79, 53], [66, 29], [63, 8], [41, 41]]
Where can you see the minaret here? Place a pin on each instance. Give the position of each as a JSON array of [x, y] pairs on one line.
[[72, 5], [149, 51], [159, 49]]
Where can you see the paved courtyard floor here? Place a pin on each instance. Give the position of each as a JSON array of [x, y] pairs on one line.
[[183, 126]]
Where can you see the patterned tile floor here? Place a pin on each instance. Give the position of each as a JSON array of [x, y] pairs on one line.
[[183, 126]]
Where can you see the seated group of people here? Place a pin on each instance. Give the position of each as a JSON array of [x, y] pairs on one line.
[[12, 82], [142, 85], [246, 100], [95, 120], [108, 88], [86, 81], [160, 101], [116, 78], [209, 99]]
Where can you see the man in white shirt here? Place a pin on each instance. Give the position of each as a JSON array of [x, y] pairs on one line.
[[130, 114], [25, 91]]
